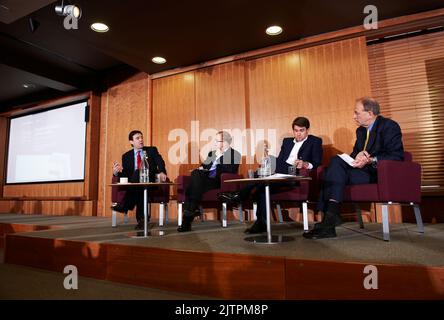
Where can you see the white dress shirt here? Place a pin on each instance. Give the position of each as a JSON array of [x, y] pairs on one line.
[[294, 153]]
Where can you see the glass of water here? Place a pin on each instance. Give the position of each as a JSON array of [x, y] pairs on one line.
[[292, 170]]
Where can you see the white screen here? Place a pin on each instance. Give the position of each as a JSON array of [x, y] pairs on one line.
[[48, 146]]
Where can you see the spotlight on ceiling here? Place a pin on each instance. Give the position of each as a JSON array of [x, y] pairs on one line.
[[99, 27], [69, 10], [158, 60], [273, 30]]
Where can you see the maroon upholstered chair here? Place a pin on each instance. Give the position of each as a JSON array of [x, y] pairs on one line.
[[209, 198], [161, 195], [299, 194], [398, 182]]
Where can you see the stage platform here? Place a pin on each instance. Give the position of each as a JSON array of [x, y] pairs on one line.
[[218, 262]]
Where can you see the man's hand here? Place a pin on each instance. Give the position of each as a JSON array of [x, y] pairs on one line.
[[162, 177], [300, 164], [362, 159], [117, 168]]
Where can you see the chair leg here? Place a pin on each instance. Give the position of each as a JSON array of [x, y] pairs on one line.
[[161, 213], [241, 213], [254, 210], [418, 218], [114, 219], [224, 215], [278, 206], [179, 213], [359, 215], [385, 222], [305, 214], [166, 214]]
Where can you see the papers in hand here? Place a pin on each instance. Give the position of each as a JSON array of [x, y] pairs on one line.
[[347, 159]]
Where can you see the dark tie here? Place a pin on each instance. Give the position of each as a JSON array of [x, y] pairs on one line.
[[139, 160]]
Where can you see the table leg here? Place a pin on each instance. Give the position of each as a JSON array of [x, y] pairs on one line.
[[269, 239], [267, 203], [145, 211]]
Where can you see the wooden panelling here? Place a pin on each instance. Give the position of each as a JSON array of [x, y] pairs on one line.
[[50, 207], [68, 189], [173, 123], [306, 83], [124, 108], [228, 276], [407, 79], [92, 143], [339, 280], [54, 254]]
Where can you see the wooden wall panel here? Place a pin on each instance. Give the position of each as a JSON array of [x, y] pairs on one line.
[[220, 103], [50, 207], [407, 77], [173, 113], [124, 108], [320, 83], [68, 189], [92, 151], [275, 96]]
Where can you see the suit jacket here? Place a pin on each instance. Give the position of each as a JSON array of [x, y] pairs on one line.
[[228, 162], [311, 151], [385, 140], [155, 162]]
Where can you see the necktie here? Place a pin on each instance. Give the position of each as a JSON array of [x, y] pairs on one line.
[[139, 160], [366, 139]]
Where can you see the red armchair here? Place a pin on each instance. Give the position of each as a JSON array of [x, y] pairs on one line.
[[209, 198], [398, 182], [299, 194], [161, 196]]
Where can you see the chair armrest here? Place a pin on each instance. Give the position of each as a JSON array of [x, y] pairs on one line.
[[183, 182], [229, 187], [399, 181]]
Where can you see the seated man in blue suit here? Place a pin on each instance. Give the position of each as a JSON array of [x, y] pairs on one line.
[[377, 138], [303, 151]]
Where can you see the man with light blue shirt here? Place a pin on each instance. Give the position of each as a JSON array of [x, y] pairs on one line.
[[207, 176], [377, 138]]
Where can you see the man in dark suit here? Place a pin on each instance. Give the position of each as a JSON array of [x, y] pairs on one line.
[[377, 138], [303, 151], [207, 176], [131, 163]]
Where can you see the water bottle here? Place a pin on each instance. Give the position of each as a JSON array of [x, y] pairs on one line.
[[267, 166], [144, 174]]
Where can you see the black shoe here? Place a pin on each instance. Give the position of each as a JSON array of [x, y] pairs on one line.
[[257, 227], [329, 219], [231, 197], [140, 225], [119, 208], [320, 233]]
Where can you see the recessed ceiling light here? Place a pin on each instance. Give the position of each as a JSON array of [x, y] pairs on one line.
[[273, 30], [99, 27], [28, 85], [158, 60]]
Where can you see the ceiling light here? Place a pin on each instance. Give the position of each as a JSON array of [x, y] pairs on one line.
[[158, 60], [69, 10], [28, 86], [273, 30], [99, 27]]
